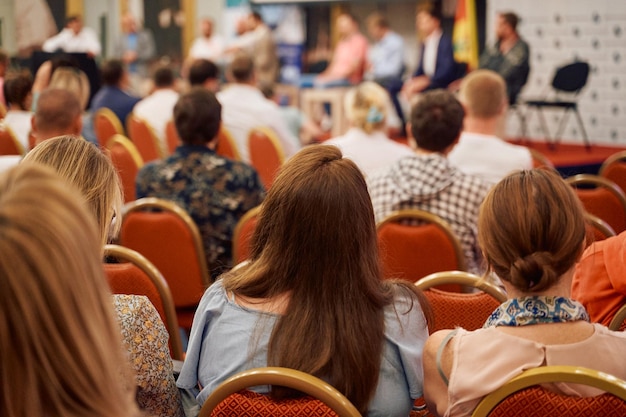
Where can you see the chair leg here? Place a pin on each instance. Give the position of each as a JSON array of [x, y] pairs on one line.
[[561, 127], [544, 129], [582, 129]]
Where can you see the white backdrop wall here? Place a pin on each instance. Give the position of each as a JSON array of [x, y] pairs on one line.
[[560, 31]]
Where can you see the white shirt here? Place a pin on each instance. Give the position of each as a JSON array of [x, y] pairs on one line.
[[20, 124], [157, 109], [244, 107], [488, 157], [431, 44], [207, 48], [370, 152], [86, 41]]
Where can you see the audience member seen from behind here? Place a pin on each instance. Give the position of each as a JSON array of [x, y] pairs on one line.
[[204, 73], [532, 233], [509, 57], [85, 167], [480, 151], [366, 143], [113, 94], [599, 281], [58, 113], [17, 91], [60, 347], [215, 191], [311, 294], [428, 181]]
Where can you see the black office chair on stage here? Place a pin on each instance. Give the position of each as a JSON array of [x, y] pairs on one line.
[[568, 81]]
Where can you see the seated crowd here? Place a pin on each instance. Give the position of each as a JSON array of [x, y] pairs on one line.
[[312, 295]]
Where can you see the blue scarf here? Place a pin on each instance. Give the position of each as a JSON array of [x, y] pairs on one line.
[[537, 309]]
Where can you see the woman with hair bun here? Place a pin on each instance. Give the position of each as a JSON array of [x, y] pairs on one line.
[[366, 143], [531, 230]]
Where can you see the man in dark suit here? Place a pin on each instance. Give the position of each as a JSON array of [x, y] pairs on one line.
[[436, 68]]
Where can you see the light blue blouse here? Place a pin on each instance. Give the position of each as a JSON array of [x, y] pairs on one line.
[[227, 338]]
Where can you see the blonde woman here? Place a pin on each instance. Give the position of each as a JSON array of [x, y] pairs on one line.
[[60, 351], [85, 167], [73, 80], [366, 143]]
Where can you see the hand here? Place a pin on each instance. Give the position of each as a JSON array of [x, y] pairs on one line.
[[129, 57]]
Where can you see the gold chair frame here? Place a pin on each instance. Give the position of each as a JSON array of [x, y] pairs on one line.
[[129, 145], [224, 134], [132, 118], [271, 135], [237, 232], [616, 157], [112, 118], [462, 278], [11, 134], [618, 319], [539, 159]]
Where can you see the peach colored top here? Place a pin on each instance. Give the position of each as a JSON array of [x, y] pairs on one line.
[[483, 360], [349, 50]]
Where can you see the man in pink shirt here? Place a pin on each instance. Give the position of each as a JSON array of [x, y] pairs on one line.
[[348, 62]]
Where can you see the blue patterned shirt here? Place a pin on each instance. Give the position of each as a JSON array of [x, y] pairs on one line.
[[214, 190]]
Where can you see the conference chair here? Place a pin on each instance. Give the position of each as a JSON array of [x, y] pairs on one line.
[[568, 80], [165, 234], [618, 322], [106, 124], [242, 235], [3, 111], [171, 137], [144, 138], [597, 229], [226, 145], [138, 276], [232, 399], [266, 154], [539, 159], [127, 162], [614, 169], [9, 144], [415, 243], [452, 309], [602, 198], [526, 395]]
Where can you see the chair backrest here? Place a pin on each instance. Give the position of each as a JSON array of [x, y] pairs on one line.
[[137, 275], [9, 144], [127, 161], [571, 78], [170, 239], [523, 395], [415, 243], [144, 138], [105, 125], [266, 154], [452, 309], [597, 229], [331, 401], [604, 200], [539, 159], [3, 110], [171, 136], [243, 233], [614, 169], [226, 145], [618, 323]]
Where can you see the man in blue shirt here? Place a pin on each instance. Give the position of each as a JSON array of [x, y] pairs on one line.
[[113, 95], [386, 58]]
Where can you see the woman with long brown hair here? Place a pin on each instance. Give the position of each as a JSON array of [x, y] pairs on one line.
[[311, 297]]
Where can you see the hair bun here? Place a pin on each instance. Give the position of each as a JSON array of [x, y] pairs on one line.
[[534, 272]]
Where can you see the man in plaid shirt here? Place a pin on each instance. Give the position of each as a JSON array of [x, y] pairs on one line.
[[427, 181]]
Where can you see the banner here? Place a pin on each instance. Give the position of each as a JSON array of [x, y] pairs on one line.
[[465, 34]]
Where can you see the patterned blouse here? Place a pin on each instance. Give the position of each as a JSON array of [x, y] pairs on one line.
[[146, 340], [214, 190]]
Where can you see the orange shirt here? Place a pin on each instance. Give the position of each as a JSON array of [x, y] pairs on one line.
[[600, 278]]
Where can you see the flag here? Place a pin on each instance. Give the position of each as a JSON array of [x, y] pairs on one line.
[[465, 34]]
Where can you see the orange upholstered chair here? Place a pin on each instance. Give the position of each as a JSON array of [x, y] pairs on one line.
[[614, 169], [144, 138], [411, 251], [539, 159], [9, 144], [170, 239], [226, 145], [266, 154], [323, 399], [602, 198], [452, 309], [171, 137], [105, 125], [243, 233], [3, 111], [527, 396], [127, 161], [597, 229], [138, 276]]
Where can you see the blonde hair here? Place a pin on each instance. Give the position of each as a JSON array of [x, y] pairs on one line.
[[366, 106], [73, 80], [88, 169], [60, 347], [483, 93]]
